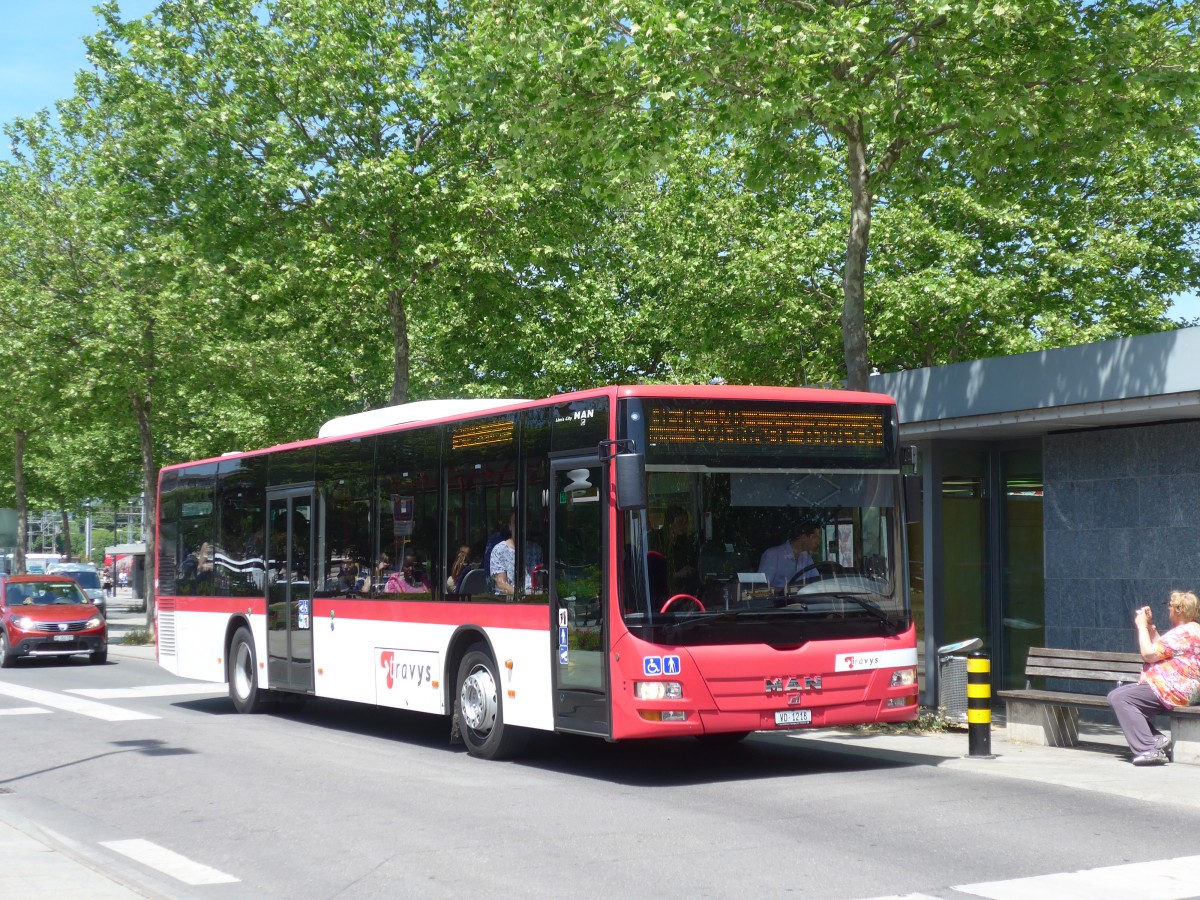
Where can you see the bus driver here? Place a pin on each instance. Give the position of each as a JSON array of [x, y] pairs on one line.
[[794, 557]]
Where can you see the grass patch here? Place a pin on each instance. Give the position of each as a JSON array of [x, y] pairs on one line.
[[138, 637], [928, 721]]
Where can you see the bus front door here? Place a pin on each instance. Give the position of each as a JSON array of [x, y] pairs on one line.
[[289, 588], [577, 596]]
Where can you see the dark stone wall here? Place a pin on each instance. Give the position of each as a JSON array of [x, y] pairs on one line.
[[1122, 529]]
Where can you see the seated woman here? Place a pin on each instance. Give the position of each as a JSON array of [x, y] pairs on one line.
[[503, 565], [409, 580]]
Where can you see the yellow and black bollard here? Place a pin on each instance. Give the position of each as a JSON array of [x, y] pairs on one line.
[[979, 706]]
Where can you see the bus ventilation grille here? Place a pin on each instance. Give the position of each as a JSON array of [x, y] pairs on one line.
[[166, 633]]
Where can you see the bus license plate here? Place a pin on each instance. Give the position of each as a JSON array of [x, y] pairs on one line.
[[64, 637], [793, 717]]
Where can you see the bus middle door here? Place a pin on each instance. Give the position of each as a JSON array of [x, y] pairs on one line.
[[289, 588], [577, 584]]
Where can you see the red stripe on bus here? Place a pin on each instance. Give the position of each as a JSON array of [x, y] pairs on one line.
[[252, 605], [526, 616]]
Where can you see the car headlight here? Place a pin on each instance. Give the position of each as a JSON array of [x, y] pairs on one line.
[[24, 623], [95, 621]]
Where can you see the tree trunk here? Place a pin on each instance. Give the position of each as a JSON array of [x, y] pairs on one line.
[[22, 503], [400, 361], [67, 535], [141, 410], [854, 329]]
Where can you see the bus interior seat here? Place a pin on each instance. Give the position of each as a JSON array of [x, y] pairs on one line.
[[474, 582]]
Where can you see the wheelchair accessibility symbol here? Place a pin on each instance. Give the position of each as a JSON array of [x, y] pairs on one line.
[[660, 665]]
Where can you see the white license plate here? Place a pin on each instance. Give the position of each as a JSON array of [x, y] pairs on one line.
[[793, 717], [64, 637]]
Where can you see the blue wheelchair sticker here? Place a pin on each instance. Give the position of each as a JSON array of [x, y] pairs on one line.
[[652, 665]]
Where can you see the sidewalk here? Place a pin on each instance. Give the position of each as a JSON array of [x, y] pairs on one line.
[[1100, 763]]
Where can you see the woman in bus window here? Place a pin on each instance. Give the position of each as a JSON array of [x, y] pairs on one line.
[[503, 564], [458, 567]]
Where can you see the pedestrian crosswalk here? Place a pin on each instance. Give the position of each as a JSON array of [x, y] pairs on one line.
[[85, 701], [1167, 879]]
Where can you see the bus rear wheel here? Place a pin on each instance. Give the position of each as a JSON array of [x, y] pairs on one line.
[[243, 674], [479, 710]]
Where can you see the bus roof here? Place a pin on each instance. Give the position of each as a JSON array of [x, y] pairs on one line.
[[378, 420], [417, 411]]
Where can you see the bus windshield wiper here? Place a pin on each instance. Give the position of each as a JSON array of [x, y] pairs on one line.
[[862, 602], [702, 619]]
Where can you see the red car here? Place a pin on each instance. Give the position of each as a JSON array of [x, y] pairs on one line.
[[48, 615]]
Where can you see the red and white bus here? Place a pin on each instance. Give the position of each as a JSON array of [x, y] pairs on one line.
[[593, 563]]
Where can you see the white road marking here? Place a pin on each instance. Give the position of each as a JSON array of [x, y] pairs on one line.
[[169, 863], [149, 690], [23, 711], [1168, 879], [71, 704]]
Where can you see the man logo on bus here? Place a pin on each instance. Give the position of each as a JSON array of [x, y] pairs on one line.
[[794, 683]]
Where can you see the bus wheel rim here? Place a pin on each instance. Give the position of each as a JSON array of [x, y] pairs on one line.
[[478, 700], [241, 671]]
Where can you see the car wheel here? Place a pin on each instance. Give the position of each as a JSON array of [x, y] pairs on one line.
[[100, 657], [479, 710], [7, 658], [243, 674]]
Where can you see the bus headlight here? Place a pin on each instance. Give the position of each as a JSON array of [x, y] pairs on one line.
[[904, 677], [658, 690]]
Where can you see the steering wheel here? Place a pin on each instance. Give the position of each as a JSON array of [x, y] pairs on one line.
[[823, 569], [686, 597]]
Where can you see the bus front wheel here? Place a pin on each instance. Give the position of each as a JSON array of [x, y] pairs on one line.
[[243, 674], [479, 709]]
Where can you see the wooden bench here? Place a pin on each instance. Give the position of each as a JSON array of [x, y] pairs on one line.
[[1051, 718]]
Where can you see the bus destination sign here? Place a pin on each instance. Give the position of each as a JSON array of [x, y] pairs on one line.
[[676, 427]]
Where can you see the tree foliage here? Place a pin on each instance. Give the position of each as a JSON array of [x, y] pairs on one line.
[[256, 214], [884, 107]]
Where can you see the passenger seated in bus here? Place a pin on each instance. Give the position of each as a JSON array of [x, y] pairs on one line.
[[409, 580], [503, 565], [793, 559], [656, 571], [681, 551], [458, 568]]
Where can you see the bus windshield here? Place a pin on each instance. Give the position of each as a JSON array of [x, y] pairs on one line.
[[752, 536]]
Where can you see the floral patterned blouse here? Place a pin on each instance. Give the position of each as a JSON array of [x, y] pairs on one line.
[[1176, 678]]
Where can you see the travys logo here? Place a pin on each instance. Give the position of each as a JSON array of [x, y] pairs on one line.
[[860, 662], [880, 659], [418, 674]]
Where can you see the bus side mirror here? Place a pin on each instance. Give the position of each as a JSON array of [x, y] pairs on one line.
[[912, 498], [631, 481]]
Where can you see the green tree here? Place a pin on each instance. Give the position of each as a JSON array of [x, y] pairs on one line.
[[983, 116], [314, 145]]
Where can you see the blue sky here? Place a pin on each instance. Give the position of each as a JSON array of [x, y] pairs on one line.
[[41, 49]]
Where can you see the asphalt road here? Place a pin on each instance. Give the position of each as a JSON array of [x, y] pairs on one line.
[[348, 801]]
